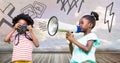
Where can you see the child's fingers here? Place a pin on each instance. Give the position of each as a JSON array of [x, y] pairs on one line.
[[68, 33], [29, 27], [17, 24]]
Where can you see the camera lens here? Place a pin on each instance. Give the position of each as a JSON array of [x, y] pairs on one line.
[[22, 29]]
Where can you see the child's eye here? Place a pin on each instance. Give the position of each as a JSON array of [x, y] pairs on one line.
[[81, 22]]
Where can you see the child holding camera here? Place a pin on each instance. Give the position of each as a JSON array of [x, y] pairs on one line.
[[84, 49], [23, 40]]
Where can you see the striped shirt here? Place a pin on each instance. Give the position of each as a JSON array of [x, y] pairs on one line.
[[22, 51]]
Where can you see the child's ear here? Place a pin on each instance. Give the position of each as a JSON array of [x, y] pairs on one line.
[[90, 25]]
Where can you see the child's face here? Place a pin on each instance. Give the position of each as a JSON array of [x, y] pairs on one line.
[[22, 22], [85, 24]]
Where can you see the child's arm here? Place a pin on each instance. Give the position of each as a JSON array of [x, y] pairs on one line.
[[35, 41], [71, 47], [7, 38], [85, 48]]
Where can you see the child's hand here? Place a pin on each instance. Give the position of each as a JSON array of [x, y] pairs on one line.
[[70, 37], [29, 27], [17, 25]]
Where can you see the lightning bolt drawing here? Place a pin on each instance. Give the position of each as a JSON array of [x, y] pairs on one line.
[[109, 16]]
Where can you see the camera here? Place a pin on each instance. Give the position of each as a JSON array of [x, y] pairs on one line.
[[22, 29]]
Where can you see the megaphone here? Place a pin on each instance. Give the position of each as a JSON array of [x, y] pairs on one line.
[[54, 26]]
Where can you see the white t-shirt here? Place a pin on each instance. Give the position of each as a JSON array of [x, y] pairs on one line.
[[79, 55]]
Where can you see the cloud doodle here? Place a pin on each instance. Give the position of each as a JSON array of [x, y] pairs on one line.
[[35, 10]]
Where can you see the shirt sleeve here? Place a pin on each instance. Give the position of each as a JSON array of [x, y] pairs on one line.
[[12, 38], [93, 36], [28, 36]]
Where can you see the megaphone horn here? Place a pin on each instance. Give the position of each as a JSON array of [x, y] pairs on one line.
[[54, 26]]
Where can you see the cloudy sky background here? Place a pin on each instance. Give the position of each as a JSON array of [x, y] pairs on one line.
[[109, 41]]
